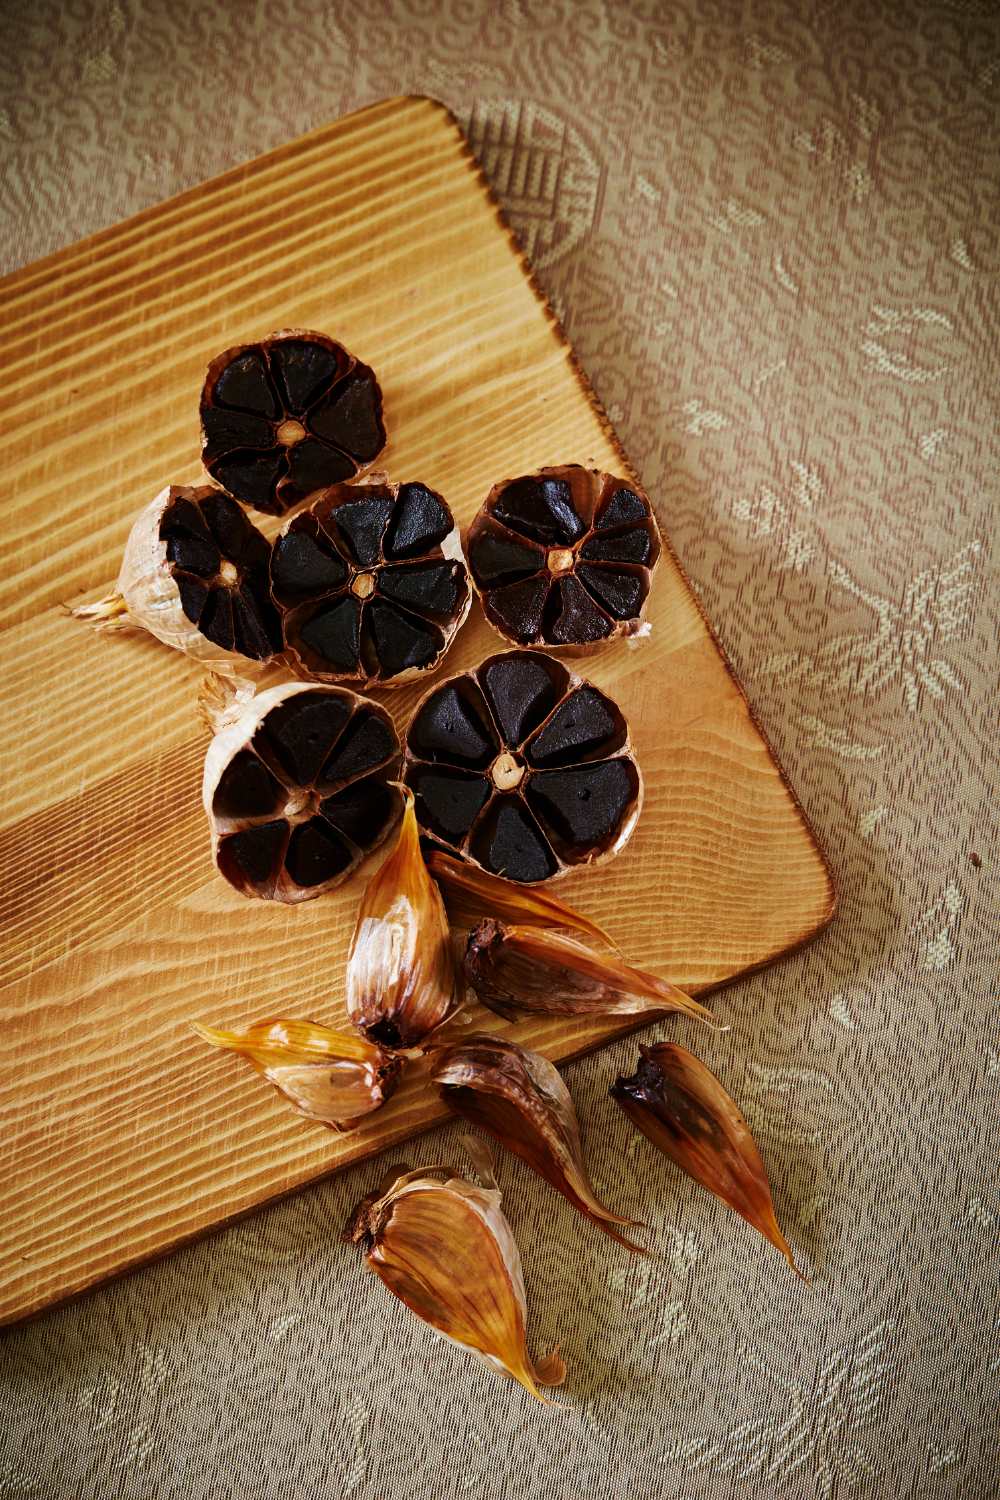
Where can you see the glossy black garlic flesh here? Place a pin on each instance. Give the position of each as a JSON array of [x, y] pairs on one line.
[[523, 768], [564, 557], [297, 792], [371, 583], [288, 415], [219, 563]]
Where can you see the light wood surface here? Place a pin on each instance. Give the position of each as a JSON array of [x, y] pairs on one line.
[[122, 1135]]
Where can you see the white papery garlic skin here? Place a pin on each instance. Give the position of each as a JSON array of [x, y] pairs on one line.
[[234, 712]]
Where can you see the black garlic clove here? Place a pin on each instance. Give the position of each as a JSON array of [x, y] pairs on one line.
[[680, 1105], [519, 1099], [519, 971]]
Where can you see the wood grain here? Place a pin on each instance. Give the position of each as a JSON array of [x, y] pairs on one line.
[[122, 1135]]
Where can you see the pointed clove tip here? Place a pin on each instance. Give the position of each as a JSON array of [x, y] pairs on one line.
[[698, 1012], [786, 1250], [622, 1239], [229, 1041]]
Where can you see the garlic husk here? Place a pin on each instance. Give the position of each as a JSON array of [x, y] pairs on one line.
[[444, 1248], [402, 982], [222, 698], [519, 1098], [683, 1109], [146, 596], [518, 971], [326, 1075], [472, 893]]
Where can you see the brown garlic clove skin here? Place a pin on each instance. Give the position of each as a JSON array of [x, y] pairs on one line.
[[523, 768], [325, 1075], [680, 1105], [444, 1248], [518, 1097], [564, 558], [287, 415], [299, 787], [194, 574], [371, 583], [471, 893], [402, 983], [520, 971]]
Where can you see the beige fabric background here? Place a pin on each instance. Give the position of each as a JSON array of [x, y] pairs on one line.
[[771, 231]]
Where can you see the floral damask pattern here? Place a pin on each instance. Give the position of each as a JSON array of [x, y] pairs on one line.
[[771, 230]]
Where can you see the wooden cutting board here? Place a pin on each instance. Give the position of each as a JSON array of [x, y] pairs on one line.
[[121, 1134]]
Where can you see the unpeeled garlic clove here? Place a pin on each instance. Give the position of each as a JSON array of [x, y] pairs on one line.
[[443, 1247], [401, 977], [326, 1075], [680, 1105], [518, 971], [471, 893], [520, 1099]]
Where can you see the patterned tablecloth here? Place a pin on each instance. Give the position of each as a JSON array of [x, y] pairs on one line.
[[771, 231]]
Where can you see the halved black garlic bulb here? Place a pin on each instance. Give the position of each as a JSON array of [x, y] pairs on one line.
[[523, 768], [371, 583], [195, 575], [564, 557], [288, 415], [296, 788]]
